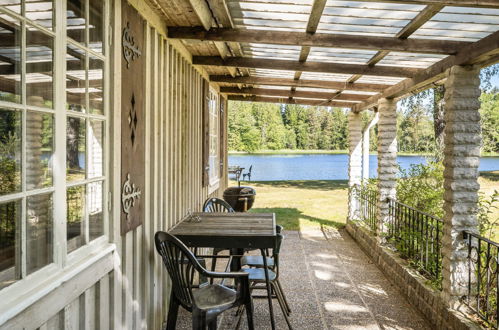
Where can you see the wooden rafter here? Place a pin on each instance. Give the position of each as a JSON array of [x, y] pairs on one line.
[[284, 100], [455, 3], [400, 44], [287, 93], [364, 87], [271, 64], [482, 52]]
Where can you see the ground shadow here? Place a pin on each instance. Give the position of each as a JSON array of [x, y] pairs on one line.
[[490, 175], [289, 217], [301, 184]]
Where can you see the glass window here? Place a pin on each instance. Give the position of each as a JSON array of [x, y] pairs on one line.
[[40, 12], [96, 85], [75, 226], [39, 149], [76, 20], [76, 79], [75, 148], [96, 149], [96, 25], [14, 5], [10, 60], [10, 151], [10, 228], [39, 241], [214, 160], [39, 68], [95, 210]]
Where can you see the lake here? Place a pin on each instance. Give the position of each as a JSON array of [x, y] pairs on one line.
[[321, 166]]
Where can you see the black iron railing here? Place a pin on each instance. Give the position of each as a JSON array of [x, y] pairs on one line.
[[366, 198], [417, 236], [483, 262]]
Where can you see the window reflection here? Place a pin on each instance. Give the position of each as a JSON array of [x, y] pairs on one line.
[[39, 229], [10, 59], [95, 210], [40, 12], [75, 226], [75, 79], [10, 227], [76, 20], [39, 68], [95, 75], [39, 149], [75, 148], [95, 154], [10, 151], [14, 5], [95, 25]]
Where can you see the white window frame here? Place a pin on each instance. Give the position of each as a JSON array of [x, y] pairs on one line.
[[214, 140], [40, 282]]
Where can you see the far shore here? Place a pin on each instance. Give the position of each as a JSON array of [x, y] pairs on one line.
[[334, 152]]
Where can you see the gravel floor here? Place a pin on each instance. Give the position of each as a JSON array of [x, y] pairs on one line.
[[330, 284]]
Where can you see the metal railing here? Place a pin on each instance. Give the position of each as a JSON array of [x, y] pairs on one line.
[[367, 205], [483, 265], [417, 236]]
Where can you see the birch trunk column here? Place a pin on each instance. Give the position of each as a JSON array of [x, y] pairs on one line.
[[461, 159], [387, 162], [355, 162]]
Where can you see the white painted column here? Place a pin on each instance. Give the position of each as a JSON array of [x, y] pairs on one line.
[[387, 162], [355, 161], [461, 159]]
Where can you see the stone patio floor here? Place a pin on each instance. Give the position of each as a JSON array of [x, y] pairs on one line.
[[330, 284]]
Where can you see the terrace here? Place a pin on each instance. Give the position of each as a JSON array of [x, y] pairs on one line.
[[138, 88]]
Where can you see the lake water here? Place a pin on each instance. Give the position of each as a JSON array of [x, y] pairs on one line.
[[321, 166]]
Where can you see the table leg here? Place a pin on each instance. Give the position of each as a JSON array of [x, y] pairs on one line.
[[269, 289], [235, 264]]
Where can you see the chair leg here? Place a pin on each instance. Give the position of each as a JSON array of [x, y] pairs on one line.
[[249, 314], [278, 295], [213, 324], [171, 322], [198, 319], [283, 296], [283, 308]]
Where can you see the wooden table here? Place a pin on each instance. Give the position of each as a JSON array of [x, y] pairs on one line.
[[231, 231], [237, 170]]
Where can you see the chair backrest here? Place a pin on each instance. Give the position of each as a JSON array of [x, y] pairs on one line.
[[250, 168], [180, 264], [217, 205]]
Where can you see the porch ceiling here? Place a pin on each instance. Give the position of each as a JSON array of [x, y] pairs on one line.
[[332, 52]]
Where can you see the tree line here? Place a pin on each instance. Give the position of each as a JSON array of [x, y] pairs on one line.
[[265, 126]]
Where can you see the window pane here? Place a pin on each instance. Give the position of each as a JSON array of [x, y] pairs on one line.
[[75, 149], [76, 20], [39, 229], [14, 5], [95, 207], [10, 151], [96, 88], [39, 68], [40, 12], [10, 228], [10, 60], [75, 217], [95, 25], [75, 79], [39, 149], [96, 154]]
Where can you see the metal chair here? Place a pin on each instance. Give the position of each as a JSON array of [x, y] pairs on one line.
[[208, 300], [248, 174], [216, 205], [257, 276], [257, 261]]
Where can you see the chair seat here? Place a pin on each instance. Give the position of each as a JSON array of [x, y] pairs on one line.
[[214, 296], [256, 261], [258, 274]]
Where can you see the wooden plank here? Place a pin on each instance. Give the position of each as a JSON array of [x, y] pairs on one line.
[[284, 100], [427, 46], [272, 64], [104, 303], [301, 83], [286, 93], [424, 16], [457, 3], [315, 15], [479, 53], [202, 12]]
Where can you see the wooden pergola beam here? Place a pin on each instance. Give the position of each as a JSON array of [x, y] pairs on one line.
[[269, 81], [271, 64], [483, 52], [454, 3], [284, 100], [288, 93], [427, 46]]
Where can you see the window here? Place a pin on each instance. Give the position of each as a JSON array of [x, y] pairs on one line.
[[214, 145], [37, 102]]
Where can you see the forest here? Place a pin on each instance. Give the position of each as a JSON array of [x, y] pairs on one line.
[[265, 126]]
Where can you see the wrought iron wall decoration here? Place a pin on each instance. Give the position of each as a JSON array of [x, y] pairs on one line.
[[129, 193], [132, 119], [130, 51]]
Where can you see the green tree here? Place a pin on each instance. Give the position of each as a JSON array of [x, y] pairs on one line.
[[489, 112]]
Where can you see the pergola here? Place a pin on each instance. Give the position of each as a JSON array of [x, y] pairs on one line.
[[359, 55]]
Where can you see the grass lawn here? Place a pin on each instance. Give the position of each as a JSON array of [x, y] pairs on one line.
[[298, 204]]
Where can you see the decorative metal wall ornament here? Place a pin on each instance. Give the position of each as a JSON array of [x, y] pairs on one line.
[[130, 51], [129, 194], [132, 119]]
